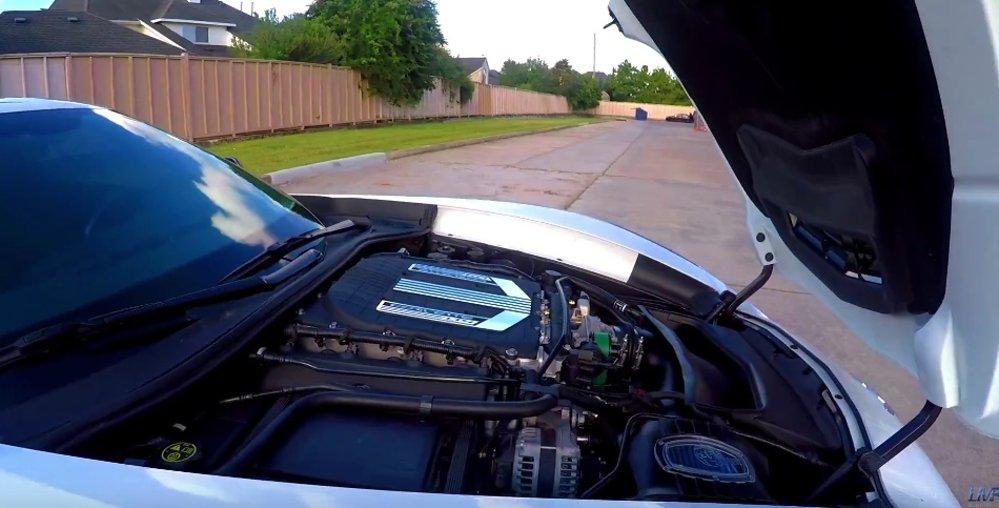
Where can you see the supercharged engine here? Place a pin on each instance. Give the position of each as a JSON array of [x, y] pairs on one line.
[[464, 371], [442, 302]]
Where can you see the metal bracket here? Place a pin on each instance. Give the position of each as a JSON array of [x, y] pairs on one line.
[[868, 462], [764, 250]]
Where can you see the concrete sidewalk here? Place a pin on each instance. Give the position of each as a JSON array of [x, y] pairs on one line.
[[666, 182]]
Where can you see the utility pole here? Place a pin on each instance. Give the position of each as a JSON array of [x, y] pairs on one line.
[[594, 75]]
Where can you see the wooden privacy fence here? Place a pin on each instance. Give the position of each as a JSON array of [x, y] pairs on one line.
[[627, 109], [207, 98]]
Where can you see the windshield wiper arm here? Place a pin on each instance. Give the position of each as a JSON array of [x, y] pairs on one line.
[[44, 340], [280, 249]]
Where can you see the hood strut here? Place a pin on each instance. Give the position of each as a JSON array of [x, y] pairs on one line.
[[869, 461], [730, 302]]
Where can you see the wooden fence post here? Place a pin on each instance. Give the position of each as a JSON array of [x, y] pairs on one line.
[[329, 92], [169, 101], [270, 96], [68, 75], [149, 87], [24, 80], [185, 92], [130, 90]]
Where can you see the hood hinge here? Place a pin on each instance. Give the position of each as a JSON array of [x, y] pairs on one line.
[[764, 249]]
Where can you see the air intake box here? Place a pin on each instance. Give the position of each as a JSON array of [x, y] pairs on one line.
[[674, 458]]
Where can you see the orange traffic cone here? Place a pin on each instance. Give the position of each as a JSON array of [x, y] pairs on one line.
[[699, 124]]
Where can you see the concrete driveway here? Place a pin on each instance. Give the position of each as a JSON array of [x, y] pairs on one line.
[[667, 182]]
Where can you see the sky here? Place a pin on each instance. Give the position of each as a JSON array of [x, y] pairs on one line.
[[506, 29]]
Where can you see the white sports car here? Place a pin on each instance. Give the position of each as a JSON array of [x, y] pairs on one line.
[[177, 333]]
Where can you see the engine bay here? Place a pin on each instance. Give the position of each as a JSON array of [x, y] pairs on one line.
[[450, 367]]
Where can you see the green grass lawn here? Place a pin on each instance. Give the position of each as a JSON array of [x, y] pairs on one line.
[[268, 154]]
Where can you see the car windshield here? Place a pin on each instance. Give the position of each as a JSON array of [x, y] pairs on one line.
[[102, 212]]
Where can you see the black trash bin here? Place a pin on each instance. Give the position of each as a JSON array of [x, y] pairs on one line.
[[641, 114]]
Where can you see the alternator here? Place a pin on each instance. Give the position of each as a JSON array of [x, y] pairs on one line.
[[546, 458]]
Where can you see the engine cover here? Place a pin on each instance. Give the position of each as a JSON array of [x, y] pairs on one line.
[[438, 300]]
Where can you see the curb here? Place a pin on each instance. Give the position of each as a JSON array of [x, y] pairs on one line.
[[356, 162], [320, 168], [409, 152]]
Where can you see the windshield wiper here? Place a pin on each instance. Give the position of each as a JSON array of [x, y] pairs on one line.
[[51, 338], [280, 249]]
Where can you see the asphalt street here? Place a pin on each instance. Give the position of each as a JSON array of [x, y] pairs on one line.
[[668, 183]]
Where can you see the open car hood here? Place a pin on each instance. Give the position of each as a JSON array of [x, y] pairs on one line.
[[865, 136]]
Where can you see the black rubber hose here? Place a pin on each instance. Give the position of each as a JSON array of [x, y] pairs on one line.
[[426, 406], [626, 438], [291, 360], [330, 387], [566, 332]]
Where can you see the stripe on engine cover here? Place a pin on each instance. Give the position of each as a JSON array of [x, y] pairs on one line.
[[451, 273], [514, 303], [504, 302], [497, 323]]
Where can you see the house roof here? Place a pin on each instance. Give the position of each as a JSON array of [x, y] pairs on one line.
[[57, 32], [211, 11], [600, 77], [214, 11], [472, 64], [111, 9], [189, 46], [494, 76]]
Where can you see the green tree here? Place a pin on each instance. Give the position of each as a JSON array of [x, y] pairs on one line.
[[534, 74], [581, 91], [633, 84], [663, 88], [563, 75], [397, 45], [625, 83], [295, 38], [513, 74], [454, 77], [585, 93]]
